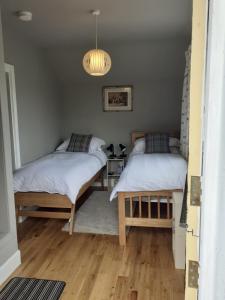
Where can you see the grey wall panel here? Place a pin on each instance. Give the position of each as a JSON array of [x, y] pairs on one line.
[[155, 69], [38, 97], [156, 106]]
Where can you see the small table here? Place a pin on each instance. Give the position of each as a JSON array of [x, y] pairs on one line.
[[115, 167]]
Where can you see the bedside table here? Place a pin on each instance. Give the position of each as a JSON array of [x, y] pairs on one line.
[[115, 167]]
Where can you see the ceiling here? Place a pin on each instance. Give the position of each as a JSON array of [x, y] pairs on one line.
[[65, 22]]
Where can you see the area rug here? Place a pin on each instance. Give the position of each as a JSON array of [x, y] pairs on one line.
[[97, 215], [19, 288]]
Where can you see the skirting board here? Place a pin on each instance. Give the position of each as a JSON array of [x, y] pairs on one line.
[[9, 266]]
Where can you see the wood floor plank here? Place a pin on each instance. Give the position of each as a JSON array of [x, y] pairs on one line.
[[121, 288], [134, 295], [95, 267]]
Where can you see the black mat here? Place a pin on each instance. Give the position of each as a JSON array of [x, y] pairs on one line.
[[20, 288]]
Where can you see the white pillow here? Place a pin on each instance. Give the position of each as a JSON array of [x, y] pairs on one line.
[[174, 142], [62, 147], [139, 146], [175, 150], [95, 145]]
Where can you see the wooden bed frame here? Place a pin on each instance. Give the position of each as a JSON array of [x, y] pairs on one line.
[[150, 198], [65, 208]]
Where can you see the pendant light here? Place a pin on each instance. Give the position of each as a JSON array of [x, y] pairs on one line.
[[96, 62]]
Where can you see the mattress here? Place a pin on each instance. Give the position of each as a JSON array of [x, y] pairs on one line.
[[152, 172], [63, 173]]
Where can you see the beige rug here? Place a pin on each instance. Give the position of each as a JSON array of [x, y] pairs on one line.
[[97, 215]]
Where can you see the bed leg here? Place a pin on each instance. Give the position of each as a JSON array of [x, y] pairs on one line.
[[17, 215], [72, 217], [102, 180], [122, 225]]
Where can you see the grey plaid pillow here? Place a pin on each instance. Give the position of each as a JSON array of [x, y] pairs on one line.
[[79, 143], [157, 143]]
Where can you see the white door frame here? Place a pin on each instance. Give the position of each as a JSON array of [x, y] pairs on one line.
[[9, 69], [212, 238]]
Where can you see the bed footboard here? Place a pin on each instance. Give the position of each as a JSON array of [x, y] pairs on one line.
[[65, 209], [146, 209]]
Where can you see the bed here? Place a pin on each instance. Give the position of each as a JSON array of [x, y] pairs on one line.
[[148, 185], [56, 183]]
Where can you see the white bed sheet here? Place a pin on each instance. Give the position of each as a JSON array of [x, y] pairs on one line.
[[152, 172], [62, 173]]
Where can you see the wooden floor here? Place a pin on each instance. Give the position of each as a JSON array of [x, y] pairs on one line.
[[96, 267]]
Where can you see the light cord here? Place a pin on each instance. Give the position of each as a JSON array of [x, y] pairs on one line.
[[96, 32]]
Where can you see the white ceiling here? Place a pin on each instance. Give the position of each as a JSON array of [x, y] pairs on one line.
[[61, 22]]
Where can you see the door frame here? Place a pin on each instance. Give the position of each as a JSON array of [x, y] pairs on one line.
[[10, 255], [9, 69], [197, 84], [212, 241]]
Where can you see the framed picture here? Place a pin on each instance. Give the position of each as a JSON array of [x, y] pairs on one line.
[[117, 98]]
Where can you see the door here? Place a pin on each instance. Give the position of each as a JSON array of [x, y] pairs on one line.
[[13, 116], [197, 79], [212, 258]]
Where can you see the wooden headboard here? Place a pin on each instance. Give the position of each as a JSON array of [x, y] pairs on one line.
[[135, 135]]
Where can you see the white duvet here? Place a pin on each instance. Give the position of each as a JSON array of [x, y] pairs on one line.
[[152, 172], [62, 173]]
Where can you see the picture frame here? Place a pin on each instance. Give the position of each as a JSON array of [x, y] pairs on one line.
[[117, 98]]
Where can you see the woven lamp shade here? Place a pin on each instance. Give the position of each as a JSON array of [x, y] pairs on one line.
[[97, 62]]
